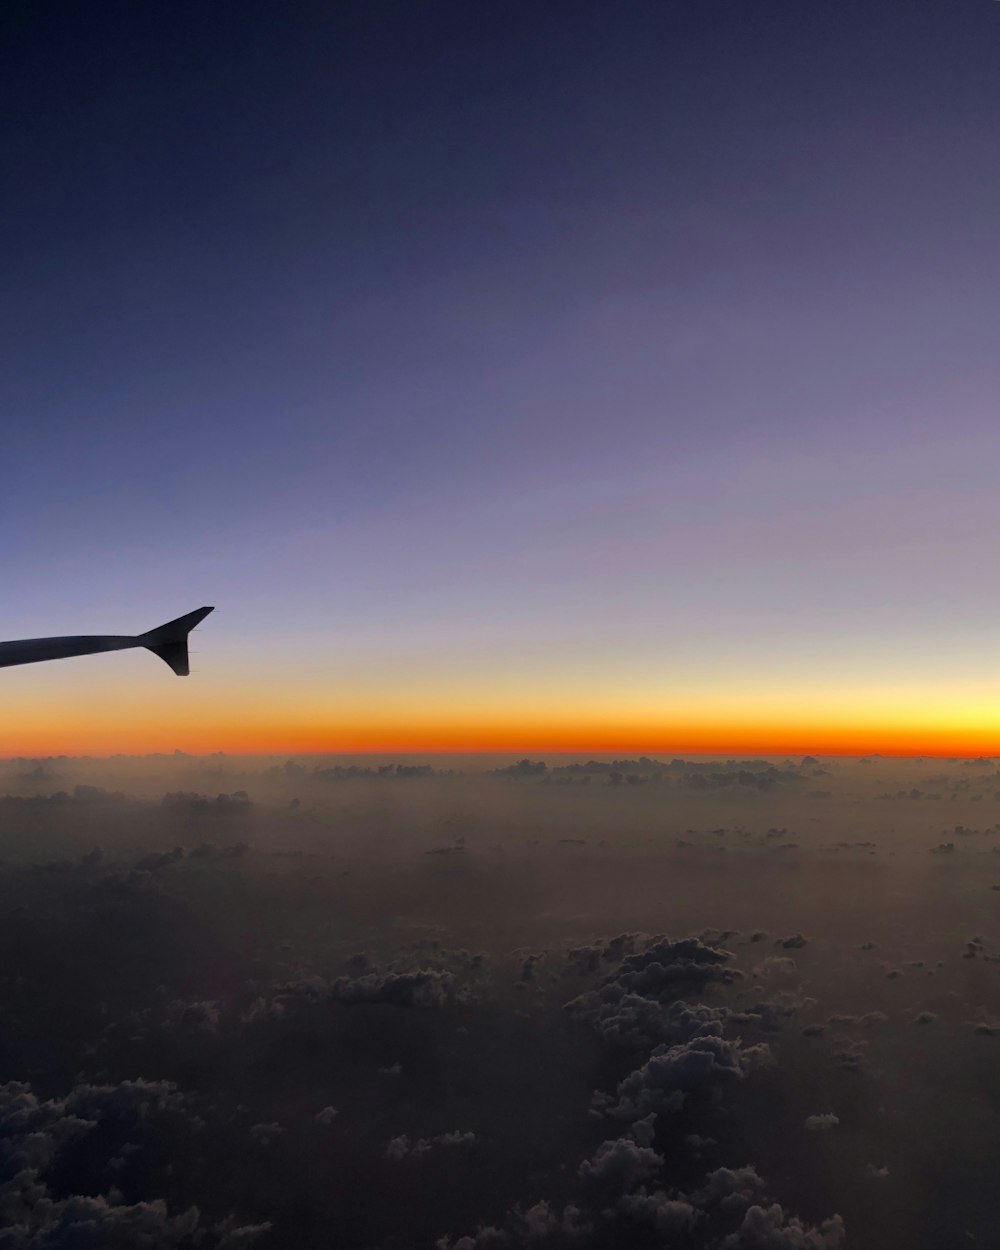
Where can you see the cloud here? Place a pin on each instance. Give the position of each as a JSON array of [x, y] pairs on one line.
[[584, 959], [674, 1074], [541, 1222], [241, 1236], [768, 1013], [528, 965], [400, 1147], [100, 1221], [670, 1217], [633, 1020], [539, 1225], [852, 1058], [427, 987], [664, 965], [620, 1162], [264, 1134], [488, 1237], [824, 1120], [771, 1228], [776, 965], [618, 947], [730, 1189], [193, 1017], [33, 1138]]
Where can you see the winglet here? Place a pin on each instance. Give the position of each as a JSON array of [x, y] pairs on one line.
[[170, 641]]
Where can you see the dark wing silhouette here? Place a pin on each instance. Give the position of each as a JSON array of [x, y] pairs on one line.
[[169, 642]]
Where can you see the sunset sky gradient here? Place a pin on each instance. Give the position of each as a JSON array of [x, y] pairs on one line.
[[520, 377]]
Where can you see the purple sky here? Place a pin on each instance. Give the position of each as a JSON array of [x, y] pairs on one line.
[[585, 335]]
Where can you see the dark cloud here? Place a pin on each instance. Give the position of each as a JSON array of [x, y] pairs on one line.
[[664, 966], [822, 1121], [400, 1147], [541, 1225], [427, 987], [730, 1189], [584, 959], [528, 966], [622, 1163], [36, 1136], [265, 1134], [851, 1058], [193, 1017], [672, 1218], [771, 1228], [776, 965], [635, 1021], [672, 1075]]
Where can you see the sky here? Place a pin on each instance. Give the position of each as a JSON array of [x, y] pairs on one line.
[[570, 376]]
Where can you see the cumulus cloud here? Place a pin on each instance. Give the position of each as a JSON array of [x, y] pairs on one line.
[[193, 1017], [674, 1074], [539, 1225], [34, 1136], [542, 1222], [771, 1228], [528, 965], [633, 1020], [100, 1221], [621, 1162], [730, 1189], [868, 1020], [776, 965], [664, 966], [427, 987], [241, 1236], [852, 1058], [400, 1147], [670, 1217], [824, 1120], [488, 1237], [584, 959], [265, 1134]]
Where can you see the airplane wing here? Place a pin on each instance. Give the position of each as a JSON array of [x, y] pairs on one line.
[[169, 642]]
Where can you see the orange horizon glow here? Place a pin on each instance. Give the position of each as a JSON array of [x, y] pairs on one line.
[[109, 712], [247, 739]]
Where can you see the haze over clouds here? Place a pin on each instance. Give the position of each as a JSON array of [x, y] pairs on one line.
[[286, 1001]]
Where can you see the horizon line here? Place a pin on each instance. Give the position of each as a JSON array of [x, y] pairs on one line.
[[523, 752]]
